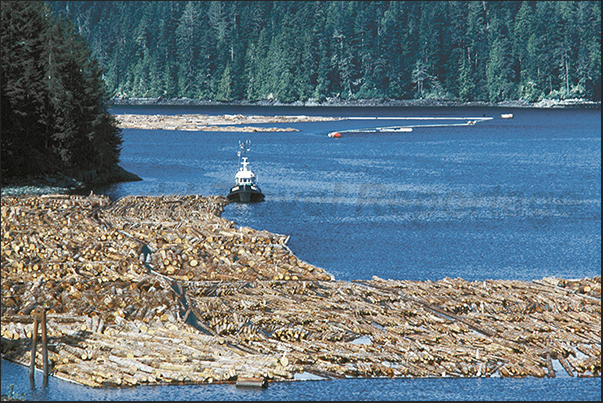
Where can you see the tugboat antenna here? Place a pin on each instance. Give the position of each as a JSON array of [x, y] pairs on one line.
[[243, 148]]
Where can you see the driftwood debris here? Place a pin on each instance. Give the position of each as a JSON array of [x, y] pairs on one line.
[[162, 290]]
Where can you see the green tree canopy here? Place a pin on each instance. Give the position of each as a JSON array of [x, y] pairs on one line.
[[296, 50], [55, 115]]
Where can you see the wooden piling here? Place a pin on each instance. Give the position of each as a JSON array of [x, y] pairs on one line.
[[44, 345], [39, 321], [549, 365], [34, 343]]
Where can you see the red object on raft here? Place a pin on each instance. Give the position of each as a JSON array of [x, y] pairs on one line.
[[335, 135]]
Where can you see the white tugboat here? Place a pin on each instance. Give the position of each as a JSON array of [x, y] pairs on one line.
[[246, 188]]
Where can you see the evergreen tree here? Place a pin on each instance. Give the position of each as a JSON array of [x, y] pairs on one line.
[[477, 47], [524, 32], [500, 71], [225, 90], [55, 114], [466, 84], [188, 38], [454, 36], [420, 76], [588, 50], [294, 50], [24, 104], [391, 48]]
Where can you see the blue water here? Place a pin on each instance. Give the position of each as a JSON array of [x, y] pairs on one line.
[[527, 389], [503, 199]]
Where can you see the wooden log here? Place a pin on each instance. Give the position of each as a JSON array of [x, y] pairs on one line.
[[66, 357], [566, 366], [109, 377], [80, 353], [126, 362]]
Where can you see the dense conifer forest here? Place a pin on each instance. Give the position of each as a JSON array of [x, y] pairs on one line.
[[63, 61], [299, 50], [55, 110]]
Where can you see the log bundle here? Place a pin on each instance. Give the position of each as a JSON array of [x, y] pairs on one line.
[[162, 290], [200, 122]]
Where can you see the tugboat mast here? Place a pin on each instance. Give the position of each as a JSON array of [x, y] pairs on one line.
[[243, 148], [242, 154]]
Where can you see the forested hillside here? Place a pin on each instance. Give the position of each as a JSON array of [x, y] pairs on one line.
[[300, 50], [55, 116]]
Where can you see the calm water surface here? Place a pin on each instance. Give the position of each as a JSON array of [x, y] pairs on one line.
[[528, 389], [503, 199]]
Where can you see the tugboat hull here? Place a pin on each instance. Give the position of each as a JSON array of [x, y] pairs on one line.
[[245, 194]]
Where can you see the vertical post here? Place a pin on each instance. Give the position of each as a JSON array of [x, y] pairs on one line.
[[549, 364], [34, 343], [44, 347]]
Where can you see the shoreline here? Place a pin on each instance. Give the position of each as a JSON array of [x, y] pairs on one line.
[[61, 183], [163, 290], [335, 102]]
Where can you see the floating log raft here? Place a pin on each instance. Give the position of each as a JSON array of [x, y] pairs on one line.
[[198, 122], [162, 290]]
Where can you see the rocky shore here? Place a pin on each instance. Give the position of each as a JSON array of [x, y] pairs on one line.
[[337, 102], [162, 290], [61, 183]]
